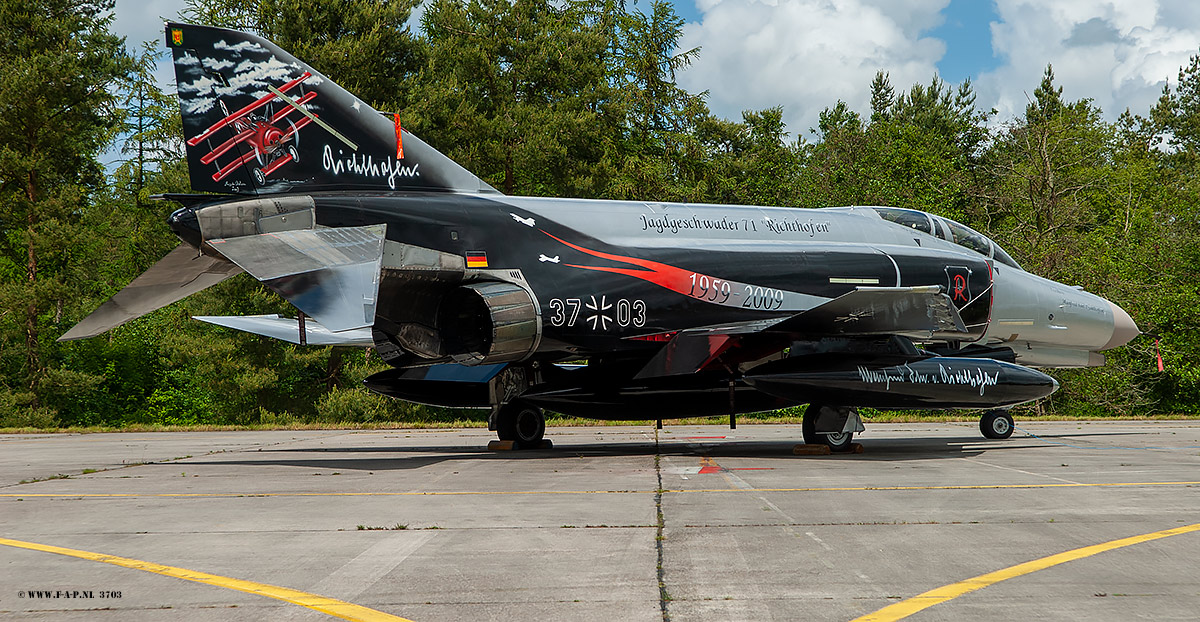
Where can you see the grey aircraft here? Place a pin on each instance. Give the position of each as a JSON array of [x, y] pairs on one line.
[[602, 309]]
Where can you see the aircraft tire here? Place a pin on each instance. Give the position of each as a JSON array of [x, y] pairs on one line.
[[522, 423], [839, 441], [996, 424]]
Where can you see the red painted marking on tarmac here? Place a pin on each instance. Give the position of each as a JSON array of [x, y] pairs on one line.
[[708, 467]]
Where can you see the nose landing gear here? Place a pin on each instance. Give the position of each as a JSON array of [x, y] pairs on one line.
[[831, 426], [996, 424]]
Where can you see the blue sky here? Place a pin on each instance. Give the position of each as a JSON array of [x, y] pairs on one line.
[[968, 40], [805, 55]]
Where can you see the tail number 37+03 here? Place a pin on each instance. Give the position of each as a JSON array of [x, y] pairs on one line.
[[598, 312]]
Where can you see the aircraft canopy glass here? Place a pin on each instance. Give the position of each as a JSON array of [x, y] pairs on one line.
[[948, 230], [908, 218]]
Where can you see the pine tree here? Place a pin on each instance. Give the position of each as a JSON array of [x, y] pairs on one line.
[[59, 66]]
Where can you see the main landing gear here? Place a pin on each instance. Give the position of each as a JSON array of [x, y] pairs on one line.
[[522, 423], [831, 425], [996, 424]]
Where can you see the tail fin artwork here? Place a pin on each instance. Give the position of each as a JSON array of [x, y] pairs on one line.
[[258, 121]]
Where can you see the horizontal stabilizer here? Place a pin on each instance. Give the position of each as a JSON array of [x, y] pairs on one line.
[[331, 275], [180, 274], [288, 329], [880, 311]]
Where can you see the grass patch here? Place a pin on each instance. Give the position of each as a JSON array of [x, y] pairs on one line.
[[34, 480], [396, 527]]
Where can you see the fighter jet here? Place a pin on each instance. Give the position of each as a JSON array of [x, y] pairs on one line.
[[618, 310]]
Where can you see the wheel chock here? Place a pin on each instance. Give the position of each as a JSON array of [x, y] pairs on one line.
[[512, 445], [854, 448]]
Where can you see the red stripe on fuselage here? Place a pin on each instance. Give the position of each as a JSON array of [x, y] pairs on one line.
[[675, 279]]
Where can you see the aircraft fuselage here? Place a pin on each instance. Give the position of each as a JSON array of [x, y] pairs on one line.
[[604, 273]]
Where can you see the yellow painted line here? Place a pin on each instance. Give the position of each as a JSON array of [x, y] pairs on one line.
[[331, 606], [906, 608], [441, 493]]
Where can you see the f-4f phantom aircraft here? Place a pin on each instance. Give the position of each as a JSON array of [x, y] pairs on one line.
[[481, 300]]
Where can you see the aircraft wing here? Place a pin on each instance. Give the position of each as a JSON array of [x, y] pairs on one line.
[[691, 350], [288, 329], [183, 272], [879, 311], [864, 311]]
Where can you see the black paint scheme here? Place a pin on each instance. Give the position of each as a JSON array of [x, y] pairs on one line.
[[667, 309], [604, 309]]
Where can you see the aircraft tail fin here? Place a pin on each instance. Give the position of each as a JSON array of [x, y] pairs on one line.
[[257, 120]]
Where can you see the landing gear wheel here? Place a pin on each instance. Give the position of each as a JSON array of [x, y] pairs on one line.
[[292, 151], [838, 441], [259, 178], [996, 424], [521, 423]]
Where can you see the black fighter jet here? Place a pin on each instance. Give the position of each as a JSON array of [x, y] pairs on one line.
[[601, 309]]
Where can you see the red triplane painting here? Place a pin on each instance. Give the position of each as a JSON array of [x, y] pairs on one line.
[[273, 138]]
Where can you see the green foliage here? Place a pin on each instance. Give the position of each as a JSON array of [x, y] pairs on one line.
[[59, 70], [565, 98]]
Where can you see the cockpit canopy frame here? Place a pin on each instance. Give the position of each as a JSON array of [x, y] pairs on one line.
[[948, 230]]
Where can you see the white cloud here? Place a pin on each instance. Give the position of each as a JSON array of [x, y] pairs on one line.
[[807, 54], [1118, 53]]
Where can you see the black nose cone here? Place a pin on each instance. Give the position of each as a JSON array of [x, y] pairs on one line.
[[184, 223]]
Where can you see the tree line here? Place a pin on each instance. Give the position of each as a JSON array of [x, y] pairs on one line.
[[570, 98]]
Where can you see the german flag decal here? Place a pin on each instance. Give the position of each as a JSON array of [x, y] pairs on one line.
[[477, 259]]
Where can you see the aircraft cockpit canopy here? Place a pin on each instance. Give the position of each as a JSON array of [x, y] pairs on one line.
[[948, 230]]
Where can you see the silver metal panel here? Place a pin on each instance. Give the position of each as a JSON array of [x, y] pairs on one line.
[[288, 329], [1029, 308], [304, 219], [239, 218], [401, 256], [180, 274], [1035, 355], [330, 274], [274, 255]]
